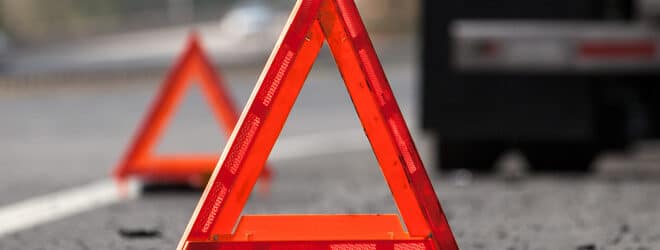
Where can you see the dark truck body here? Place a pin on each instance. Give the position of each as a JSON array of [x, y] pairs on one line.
[[559, 119]]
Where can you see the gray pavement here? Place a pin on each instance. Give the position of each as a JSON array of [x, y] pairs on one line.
[[75, 135], [59, 136], [490, 213]]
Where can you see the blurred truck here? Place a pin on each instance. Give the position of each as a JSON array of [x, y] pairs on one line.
[[559, 80]]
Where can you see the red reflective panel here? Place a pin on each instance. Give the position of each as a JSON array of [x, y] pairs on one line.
[[312, 245], [192, 68], [260, 124], [383, 122], [214, 223]]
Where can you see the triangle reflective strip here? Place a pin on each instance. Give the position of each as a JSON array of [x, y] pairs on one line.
[[193, 67], [311, 23]]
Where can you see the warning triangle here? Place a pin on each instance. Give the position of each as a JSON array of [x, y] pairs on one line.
[[215, 223], [192, 67]]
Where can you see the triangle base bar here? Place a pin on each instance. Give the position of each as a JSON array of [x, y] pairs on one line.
[[317, 227], [173, 168], [316, 232], [329, 245]]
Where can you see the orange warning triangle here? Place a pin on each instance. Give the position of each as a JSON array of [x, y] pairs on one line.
[[215, 223], [193, 67]]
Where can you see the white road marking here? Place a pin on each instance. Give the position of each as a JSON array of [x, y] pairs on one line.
[[308, 145], [50, 207]]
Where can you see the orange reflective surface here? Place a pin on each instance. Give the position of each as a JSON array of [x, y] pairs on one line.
[[193, 67], [312, 22]]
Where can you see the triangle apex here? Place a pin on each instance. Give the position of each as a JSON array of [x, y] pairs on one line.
[[194, 40]]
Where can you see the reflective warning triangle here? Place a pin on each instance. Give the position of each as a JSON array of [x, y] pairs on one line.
[[215, 223], [193, 67]]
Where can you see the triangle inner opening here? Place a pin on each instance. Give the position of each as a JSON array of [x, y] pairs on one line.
[[192, 128], [323, 160]]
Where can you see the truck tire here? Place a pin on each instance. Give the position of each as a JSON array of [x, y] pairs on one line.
[[566, 158], [478, 157]]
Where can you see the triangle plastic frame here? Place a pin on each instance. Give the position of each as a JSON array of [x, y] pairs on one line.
[[192, 67], [215, 223]]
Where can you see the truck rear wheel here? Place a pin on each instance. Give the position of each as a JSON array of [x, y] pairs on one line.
[[477, 157]]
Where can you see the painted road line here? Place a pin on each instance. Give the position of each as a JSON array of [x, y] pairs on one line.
[[309, 145], [47, 208], [54, 206]]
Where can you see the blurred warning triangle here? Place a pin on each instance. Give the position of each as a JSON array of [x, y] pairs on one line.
[[192, 67], [215, 223]]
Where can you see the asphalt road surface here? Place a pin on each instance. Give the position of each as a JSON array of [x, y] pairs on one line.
[[59, 142]]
